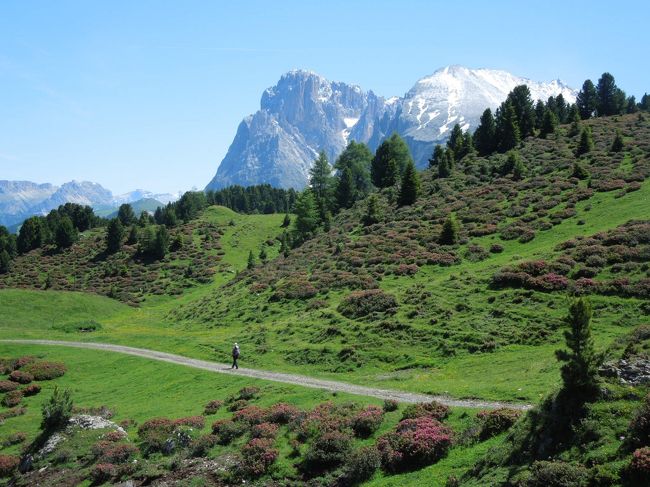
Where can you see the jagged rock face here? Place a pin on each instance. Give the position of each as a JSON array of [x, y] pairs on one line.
[[17, 197], [304, 113], [300, 116]]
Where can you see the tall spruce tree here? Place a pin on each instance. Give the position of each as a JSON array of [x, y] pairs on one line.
[[126, 215], [306, 221], [581, 362], [485, 134], [65, 234], [321, 184], [5, 261], [617, 144], [549, 124], [562, 109], [114, 235], [508, 127], [410, 187], [390, 161], [373, 214], [587, 100], [540, 111], [161, 242], [522, 103], [455, 143], [32, 234], [345, 190], [357, 158], [436, 157], [608, 96]]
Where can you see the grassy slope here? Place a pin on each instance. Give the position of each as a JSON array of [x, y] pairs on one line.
[[271, 332], [124, 384]]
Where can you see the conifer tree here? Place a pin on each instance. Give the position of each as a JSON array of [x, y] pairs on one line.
[[455, 143], [436, 157], [345, 189], [587, 100], [287, 220], [66, 233], [321, 184], [410, 187], [114, 234], [251, 260], [445, 165], [161, 242], [562, 109], [485, 134], [549, 125], [608, 96], [631, 105], [133, 235], [5, 261], [581, 362], [540, 111], [508, 128], [645, 102], [586, 142], [126, 215], [263, 255], [306, 221], [574, 118], [579, 171], [450, 231], [518, 170], [390, 161], [372, 214], [31, 235], [522, 105], [617, 144], [284, 244]]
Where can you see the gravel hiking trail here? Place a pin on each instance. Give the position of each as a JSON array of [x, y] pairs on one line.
[[299, 380]]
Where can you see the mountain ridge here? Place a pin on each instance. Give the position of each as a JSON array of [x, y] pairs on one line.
[[305, 113]]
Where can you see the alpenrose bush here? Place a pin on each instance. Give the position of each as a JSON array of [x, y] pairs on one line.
[[8, 463], [639, 469], [226, 430], [257, 456], [362, 464], [7, 385], [362, 303], [433, 410], [326, 451], [111, 452], [282, 413], [31, 390], [496, 421], [43, 370], [415, 443], [367, 421], [12, 398], [21, 377], [640, 425], [212, 407], [264, 430], [103, 472], [250, 415]]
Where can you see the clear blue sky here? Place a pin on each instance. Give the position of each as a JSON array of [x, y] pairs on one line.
[[148, 94]]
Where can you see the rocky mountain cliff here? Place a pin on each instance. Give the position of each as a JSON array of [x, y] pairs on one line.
[[305, 113]]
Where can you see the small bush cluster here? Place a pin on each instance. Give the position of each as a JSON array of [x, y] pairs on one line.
[[557, 474], [433, 410], [12, 398], [7, 386], [31, 390], [639, 468], [390, 405], [326, 451], [363, 303], [496, 421], [367, 421], [14, 439], [415, 443], [8, 464], [361, 464], [257, 456], [226, 430], [43, 370], [264, 430], [21, 377], [103, 472], [212, 407]]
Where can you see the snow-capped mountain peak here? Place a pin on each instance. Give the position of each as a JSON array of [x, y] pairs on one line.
[[305, 113]]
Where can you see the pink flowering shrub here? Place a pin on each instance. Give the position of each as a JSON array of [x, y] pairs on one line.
[[264, 430], [282, 413], [12, 398], [639, 469], [7, 385], [212, 407], [367, 421], [326, 451], [21, 377], [250, 415], [42, 370], [415, 443], [226, 430], [31, 390], [8, 463], [257, 457], [362, 303], [103, 472]]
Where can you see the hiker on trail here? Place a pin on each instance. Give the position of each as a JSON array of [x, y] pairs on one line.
[[235, 356]]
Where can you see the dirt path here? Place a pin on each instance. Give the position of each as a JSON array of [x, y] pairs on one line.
[[299, 380]]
